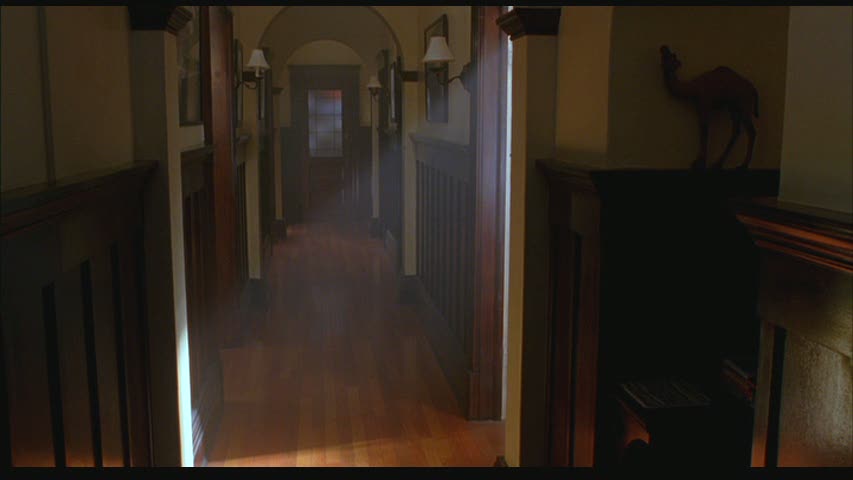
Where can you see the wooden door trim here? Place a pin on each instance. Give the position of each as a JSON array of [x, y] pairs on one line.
[[488, 122], [320, 77]]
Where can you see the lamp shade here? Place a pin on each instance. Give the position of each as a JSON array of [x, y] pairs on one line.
[[438, 51], [258, 61], [373, 83]]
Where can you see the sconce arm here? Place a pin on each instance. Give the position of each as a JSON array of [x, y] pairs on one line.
[[249, 80], [466, 76]]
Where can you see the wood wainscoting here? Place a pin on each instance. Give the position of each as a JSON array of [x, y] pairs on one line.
[[445, 254], [805, 306], [74, 361], [650, 276], [204, 322]]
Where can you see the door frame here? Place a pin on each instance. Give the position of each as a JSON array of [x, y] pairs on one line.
[[323, 77], [488, 139]]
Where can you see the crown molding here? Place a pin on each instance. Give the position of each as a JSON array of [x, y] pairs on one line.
[[522, 21], [158, 17]]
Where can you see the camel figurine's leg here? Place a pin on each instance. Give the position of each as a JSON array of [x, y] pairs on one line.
[[700, 162], [750, 132], [736, 120]]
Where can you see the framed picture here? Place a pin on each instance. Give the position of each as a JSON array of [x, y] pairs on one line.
[[436, 81], [238, 79], [189, 70]]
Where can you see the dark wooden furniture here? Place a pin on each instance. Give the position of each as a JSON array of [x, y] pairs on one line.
[[650, 276], [74, 372], [803, 397]]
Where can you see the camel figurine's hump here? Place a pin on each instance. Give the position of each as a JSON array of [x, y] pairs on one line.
[[723, 85]]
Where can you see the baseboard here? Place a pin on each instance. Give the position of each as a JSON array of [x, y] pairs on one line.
[[375, 228], [279, 229], [448, 351]]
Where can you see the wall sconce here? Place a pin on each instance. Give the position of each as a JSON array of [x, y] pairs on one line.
[[259, 62], [438, 55], [373, 86]]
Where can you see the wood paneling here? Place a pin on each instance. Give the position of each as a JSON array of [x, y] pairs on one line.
[[803, 400], [204, 322], [445, 246], [651, 276], [242, 226], [75, 379]]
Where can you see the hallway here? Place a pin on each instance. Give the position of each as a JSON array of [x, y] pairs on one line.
[[338, 373]]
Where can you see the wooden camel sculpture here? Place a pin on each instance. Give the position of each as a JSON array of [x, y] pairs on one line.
[[719, 89]]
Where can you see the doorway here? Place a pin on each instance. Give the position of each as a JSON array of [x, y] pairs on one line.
[[325, 115]]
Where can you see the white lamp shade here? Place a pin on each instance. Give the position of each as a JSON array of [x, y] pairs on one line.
[[438, 51], [373, 83], [257, 60]]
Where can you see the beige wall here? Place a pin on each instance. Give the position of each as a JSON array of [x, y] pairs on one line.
[[817, 147], [23, 156], [88, 54], [583, 76], [459, 39], [88, 85], [648, 127]]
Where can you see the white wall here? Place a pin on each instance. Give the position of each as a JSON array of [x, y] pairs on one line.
[[817, 144]]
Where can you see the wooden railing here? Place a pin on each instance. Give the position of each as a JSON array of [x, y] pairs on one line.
[[445, 250], [73, 369]]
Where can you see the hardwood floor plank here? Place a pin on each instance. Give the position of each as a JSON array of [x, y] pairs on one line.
[[337, 373]]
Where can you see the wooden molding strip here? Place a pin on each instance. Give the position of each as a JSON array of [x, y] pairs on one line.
[[197, 154], [27, 206], [158, 17], [818, 236], [522, 21]]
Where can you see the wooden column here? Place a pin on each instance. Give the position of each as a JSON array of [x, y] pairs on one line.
[[488, 121]]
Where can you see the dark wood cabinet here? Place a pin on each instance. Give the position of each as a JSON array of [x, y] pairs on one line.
[[803, 401], [651, 276]]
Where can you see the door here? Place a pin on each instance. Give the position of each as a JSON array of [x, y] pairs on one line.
[[325, 115]]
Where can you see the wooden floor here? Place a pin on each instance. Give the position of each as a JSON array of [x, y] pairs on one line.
[[338, 373]]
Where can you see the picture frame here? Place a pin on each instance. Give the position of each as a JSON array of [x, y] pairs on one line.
[[238, 83], [189, 70], [437, 103]]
